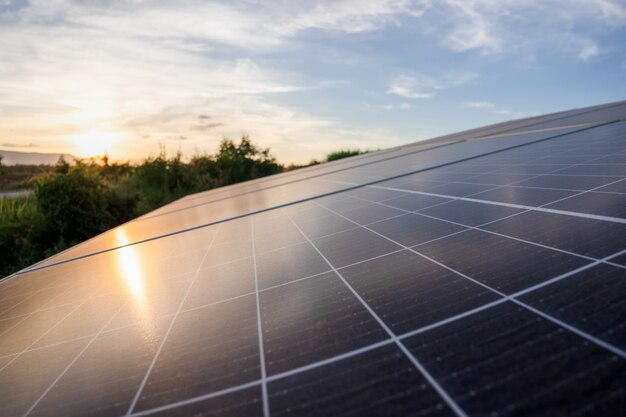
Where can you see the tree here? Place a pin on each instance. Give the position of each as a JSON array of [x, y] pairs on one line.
[[62, 166], [1, 168], [79, 204], [244, 161]]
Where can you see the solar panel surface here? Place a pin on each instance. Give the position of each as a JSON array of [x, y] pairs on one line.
[[480, 273]]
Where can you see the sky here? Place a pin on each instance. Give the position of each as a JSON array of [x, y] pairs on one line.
[[301, 77]]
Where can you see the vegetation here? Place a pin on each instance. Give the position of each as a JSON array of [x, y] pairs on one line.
[[343, 153], [333, 156], [72, 202], [19, 177]]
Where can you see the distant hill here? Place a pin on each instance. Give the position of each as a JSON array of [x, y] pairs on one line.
[[32, 158]]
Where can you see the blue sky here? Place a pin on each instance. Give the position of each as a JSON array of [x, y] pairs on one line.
[[302, 77]]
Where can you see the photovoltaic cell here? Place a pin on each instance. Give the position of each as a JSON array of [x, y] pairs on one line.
[[313, 320], [377, 383], [521, 265], [507, 361], [591, 300], [414, 292], [480, 273]]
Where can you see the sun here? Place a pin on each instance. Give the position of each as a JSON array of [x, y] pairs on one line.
[[94, 143]]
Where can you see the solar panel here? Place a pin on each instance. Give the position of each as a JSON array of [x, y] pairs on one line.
[[480, 273]]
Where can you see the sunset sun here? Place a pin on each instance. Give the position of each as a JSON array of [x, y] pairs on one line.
[[94, 143]]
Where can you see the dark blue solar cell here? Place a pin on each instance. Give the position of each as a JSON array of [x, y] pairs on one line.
[[504, 264], [507, 361], [592, 300], [381, 382]]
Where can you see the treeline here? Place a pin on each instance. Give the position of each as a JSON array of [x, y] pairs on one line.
[[72, 202]]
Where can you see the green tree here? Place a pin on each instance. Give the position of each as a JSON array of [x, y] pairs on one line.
[[244, 161], [62, 166]]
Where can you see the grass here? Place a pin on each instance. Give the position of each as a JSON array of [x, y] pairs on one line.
[[17, 210]]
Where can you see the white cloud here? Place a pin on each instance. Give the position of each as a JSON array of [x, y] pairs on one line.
[[588, 52], [152, 67], [420, 86], [408, 87], [522, 26], [496, 109], [480, 105], [149, 69]]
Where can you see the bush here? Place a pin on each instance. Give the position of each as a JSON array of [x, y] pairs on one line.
[[79, 204], [74, 202], [344, 153], [19, 226], [244, 161]]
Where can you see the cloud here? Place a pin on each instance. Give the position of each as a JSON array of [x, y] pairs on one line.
[[480, 105], [206, 127], [409, 87], [588, 52], [513, 27], [158, 69], [420, 86], [19, 145], [496, 109]]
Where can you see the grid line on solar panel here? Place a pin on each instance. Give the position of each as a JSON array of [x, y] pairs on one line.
[[307, 199], [591, 300], [617, 254], [552, 202], [525, 358], [109, 316], [361, 350], [579, 332], [266, 410], [34, 342], [467, 134], [518, 206], [480, 227], [137, 396], [71, 363], [194, 400], [112, 329], [321, 167], [569, 114], [618, 180], [302, 179], [451, 403]]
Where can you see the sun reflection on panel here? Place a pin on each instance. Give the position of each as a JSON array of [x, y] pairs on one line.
[[130, 268]]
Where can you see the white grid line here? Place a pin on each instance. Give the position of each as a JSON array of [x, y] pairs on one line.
[[311, 198], [83, 350], [549, 318], [435, 385], [518, 206], [18, 354], [579, 332], [480, 228], [169, 329], [266, 406], [363, 349]]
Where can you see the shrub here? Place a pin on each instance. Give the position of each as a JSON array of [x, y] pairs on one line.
[[79, 204], [344, 153]]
